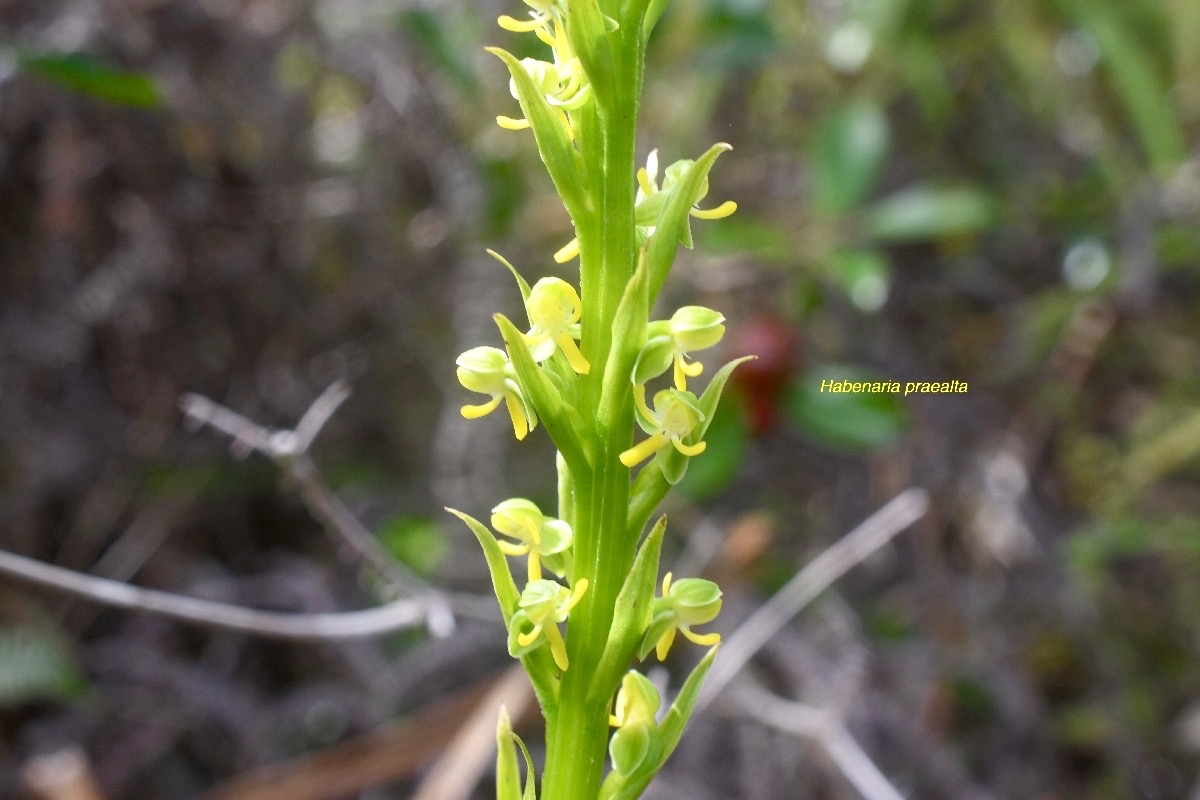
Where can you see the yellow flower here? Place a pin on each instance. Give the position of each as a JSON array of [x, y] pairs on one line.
[[562, 81], [675, 415], [487, 370], [668, 343], [538, 536], [634, 718], [687, 602], [544, 604], [554, 310]]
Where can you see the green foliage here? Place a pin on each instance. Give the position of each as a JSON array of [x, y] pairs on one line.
[[847, 155], [91, 76], [851, 421], [36, 665], [414, 540]]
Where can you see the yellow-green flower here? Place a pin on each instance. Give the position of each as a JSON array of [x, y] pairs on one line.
[[487, 370], [675, 415], [538, 536], [634, 718], [668, 343], [562, 82], [651, 197], [543, 605], [687, 602], [554, 310]]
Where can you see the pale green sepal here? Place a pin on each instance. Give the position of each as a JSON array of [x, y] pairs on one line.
[[671, 461], [522, 284], [628, 333], [508, 779], [659, 625], [629, 747], [631, 614], [656, 357], [562, 420], [554, 144], [502, 580], [673, 222]]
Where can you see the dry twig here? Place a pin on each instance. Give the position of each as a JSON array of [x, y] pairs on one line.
[[824, 727], [406, 613], [289, 450]]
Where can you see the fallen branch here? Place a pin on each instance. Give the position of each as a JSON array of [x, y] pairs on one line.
[[383, 619], [289, 450]]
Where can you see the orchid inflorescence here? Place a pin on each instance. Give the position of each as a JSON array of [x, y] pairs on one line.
[[584, 365]]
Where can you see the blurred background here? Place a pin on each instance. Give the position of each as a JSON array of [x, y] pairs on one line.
[[253, 199]]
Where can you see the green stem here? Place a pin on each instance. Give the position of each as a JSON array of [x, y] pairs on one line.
[[577, 736]]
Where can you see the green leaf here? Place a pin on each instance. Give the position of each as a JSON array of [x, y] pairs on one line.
[[35, 665], [562, 161], [631, 614], [1142, 91], [846, 156], [673, 463], [672, 223], [561, 419], [414, 540], [865, 276], [502, 580], [844, 420], [925, 212], [91, 76]]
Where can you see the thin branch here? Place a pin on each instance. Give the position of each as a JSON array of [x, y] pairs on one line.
[[289, 450], [852, 549], [827, 730], [383, 619]]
